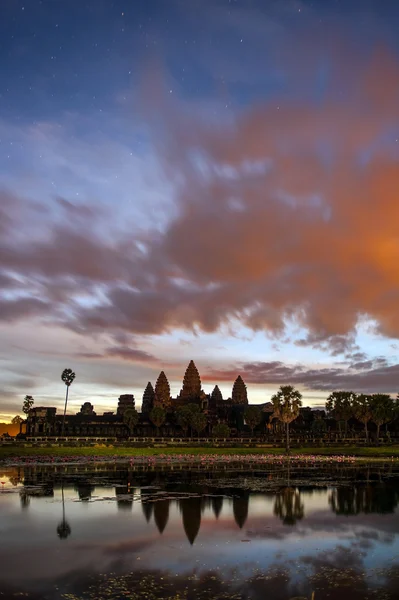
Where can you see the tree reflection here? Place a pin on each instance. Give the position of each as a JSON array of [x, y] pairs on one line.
[[288, 506], [63, 529], [380, 498]]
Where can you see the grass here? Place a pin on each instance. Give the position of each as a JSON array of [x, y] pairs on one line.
[[10, 451]]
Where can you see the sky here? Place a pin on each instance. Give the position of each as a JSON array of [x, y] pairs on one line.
[[214, 180]]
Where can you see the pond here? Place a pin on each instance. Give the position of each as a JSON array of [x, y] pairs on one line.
[[279, 531]]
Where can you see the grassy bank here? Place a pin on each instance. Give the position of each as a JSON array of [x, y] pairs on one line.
[[10, 451]]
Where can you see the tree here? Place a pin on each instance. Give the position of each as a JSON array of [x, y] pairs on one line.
[[67, 377], [340, 406], [221, 430], [27, 405], [131, 418], [157, 417], [382, 410], [198, 422], [288, 506], [286, 404], [17, 420], [184, 415], [362, 410], [252, 416]]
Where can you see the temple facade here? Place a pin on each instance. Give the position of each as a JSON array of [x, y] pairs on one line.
[[46, 422]]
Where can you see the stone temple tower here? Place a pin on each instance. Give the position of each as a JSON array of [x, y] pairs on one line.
[[239, 393], [191, 390]]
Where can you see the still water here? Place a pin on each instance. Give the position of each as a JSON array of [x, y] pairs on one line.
[[279, 532]]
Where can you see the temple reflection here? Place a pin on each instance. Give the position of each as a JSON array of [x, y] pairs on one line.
[[182, 500]]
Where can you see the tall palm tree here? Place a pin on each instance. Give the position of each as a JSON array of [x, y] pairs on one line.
[[67, 377], [286, 404]]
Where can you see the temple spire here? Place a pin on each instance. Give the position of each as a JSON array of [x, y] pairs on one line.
[[162, 392], [148, 399], [239, 393], [191, 383]]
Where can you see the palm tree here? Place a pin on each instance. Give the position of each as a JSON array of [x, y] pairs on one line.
[[286, 404], [27, 405], [67, 377], [382, 410], [340, 406], [362, 410]]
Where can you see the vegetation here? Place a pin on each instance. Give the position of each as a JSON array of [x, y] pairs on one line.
[[185, 416], [158, 416], [382, 410], [123, 451], [339, 405], [253, 417], [286, 404], [221, 430], [131, 418], [17, 420], [198, 422], [27, 405], [362, 410], [67, 377]]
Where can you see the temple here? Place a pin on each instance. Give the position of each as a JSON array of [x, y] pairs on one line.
[[45, 422]]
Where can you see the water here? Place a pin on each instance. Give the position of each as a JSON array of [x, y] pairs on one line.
[[107, 532]]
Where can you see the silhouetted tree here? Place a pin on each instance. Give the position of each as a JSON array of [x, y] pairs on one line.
[[221, 430], [252, 416], [382, 410], [286, 404], [198, 422], [131, 418], [27, 404], [362, 410], [67, 377], [340, 406], [157, 417], [184, 415]]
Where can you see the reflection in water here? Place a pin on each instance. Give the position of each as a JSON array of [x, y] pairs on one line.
[[377, 498], [161, 514], [206, 514], [240, 508], [217, 503], [63, 529], [191, 516], [84, 489], [288, 506]]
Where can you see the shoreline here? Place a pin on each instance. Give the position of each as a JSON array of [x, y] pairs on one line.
[[57, 456]]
